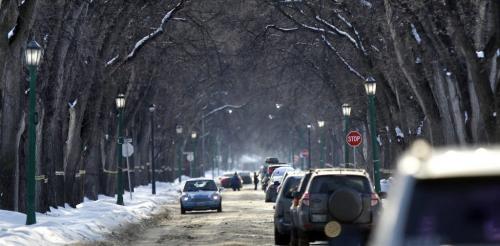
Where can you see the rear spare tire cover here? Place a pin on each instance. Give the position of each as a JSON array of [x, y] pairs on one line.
[[345, 205]]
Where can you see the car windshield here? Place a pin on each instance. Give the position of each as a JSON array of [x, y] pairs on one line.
[[330, 183], [200, 185], [474, 217]]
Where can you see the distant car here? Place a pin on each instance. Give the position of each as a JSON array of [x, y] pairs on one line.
[[246, 177], [338, 205], [225, 179], [275, 181], [200, 194], [443, 197], [282, 220], [267, 172]]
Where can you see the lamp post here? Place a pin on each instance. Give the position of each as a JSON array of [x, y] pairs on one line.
[[179, 130], [33, 56], [346, 111], [309, 126], [152, 108], [194, 135], [371, 87], [120, 105], [321, 124]]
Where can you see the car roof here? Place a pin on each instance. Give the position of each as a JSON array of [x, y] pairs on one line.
[[423, 162], [279, 165], [199, 179], [340, 171]]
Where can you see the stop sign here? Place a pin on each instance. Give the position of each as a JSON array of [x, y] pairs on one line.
[[353, 138]]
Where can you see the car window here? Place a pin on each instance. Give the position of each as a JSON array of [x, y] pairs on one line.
[[455, 211], [291, 183], [303, 182], [330, 183], [200, 185]]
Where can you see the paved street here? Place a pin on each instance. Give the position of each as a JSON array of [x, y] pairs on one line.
[[245, 220]]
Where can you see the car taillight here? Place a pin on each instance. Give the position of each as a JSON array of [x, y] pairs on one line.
[[305, 199], [375, 199]]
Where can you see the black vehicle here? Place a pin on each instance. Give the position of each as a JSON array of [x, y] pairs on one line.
[[246, 177], [341, 197], [282, 220]]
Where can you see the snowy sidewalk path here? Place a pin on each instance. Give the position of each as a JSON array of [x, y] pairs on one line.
[[90, 221]]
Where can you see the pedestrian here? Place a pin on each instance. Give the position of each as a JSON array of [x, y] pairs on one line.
[[255, 180], [235, 182]]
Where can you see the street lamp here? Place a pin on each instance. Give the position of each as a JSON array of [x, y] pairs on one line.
[[309, 126], [178, 130], [152, 109], [371, 87], [33, 56], [321, 124], [279, 105], [120, 105], [346, 111], [230, 111], [194, 135]]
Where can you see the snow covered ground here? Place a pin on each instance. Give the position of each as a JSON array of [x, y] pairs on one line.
[[90, 221]]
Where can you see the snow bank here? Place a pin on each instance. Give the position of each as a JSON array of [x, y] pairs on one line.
[[90, 221]]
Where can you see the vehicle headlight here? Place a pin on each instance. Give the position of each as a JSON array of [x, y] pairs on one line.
[[215, 197], [185, 198]]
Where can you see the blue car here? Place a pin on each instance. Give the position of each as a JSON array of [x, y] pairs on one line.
[[200, 194]]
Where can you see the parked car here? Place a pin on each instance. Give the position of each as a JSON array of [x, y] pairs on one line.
[[282, 221], [304, 181], [267, 172], [246, 176], [443, 197], [338, 198], [275, 180], [200, 194], [225, 179]]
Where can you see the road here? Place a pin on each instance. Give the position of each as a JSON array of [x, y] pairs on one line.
[[245, 220]]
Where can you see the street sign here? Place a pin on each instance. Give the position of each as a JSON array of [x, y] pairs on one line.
[[127, 149], [354, 139]]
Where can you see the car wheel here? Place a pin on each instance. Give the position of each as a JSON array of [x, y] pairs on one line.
[[183, 211], [303, 240], [280, 239], [294, 240]]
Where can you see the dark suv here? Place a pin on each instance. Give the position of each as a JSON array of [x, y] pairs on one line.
[[282, 221], [343, 197]]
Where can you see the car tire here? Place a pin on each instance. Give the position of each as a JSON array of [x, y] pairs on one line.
[[219, 209], [302, 240], [183, 211], [294, 240], [280, 239]]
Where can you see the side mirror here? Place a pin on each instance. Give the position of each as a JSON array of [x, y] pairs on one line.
[[276, 183], [179, 191], [221, 189]]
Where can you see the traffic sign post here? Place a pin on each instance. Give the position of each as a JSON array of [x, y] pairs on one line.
[[127, 151], [354, 139]]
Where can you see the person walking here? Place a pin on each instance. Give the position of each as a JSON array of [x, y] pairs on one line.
[[235, 182], [255, 179]]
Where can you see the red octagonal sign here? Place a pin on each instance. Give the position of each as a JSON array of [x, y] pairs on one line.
[[354, 138]]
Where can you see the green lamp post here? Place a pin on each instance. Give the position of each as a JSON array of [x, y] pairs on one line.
[[309, 126], [346, 111], [152, 109], [120, 105], [321, 124], [33, 57], [179, 131], [371, 87], [194, 135]]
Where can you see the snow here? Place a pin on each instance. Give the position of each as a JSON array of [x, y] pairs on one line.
[[494, 114], [366, 3], [11, 33], [419, 128], [480, 54], [399, 133], [448, 73], [379, 140], [90, 221], [498, 52], [415, 34], [418, 60], [110, 62], [466, 116]]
